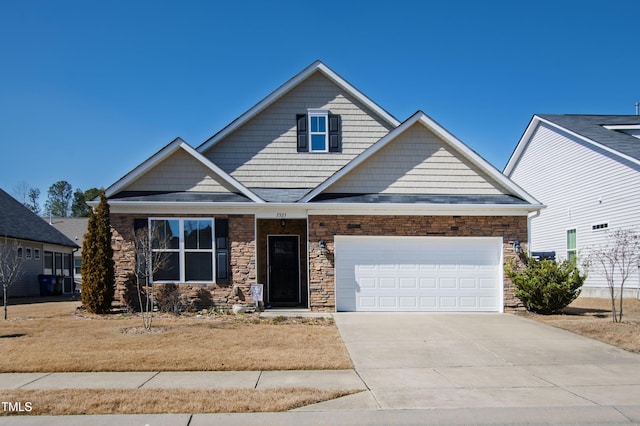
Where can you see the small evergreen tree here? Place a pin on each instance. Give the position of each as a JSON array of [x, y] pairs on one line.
[[546, 286], [97, 261]]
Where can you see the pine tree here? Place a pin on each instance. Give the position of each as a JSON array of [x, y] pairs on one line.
[[97, 261]]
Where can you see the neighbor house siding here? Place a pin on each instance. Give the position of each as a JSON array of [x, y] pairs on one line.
[[262, 153], [27, 284], [417, 162], [180, 172], [581, 185], [326, 227]]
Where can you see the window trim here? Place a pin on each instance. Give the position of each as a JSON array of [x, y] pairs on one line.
[[575, 249], [36, 254], [600, 227], [318, 113], [28, 252], [182, 250]]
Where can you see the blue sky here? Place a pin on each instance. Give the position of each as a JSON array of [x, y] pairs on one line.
[[88, 90]]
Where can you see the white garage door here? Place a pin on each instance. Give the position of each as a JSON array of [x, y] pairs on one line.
[[418, 274]]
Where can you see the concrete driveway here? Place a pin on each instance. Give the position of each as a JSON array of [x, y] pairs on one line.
[[427, 361]]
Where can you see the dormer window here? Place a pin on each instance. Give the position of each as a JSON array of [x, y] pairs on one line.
[[319, 131]]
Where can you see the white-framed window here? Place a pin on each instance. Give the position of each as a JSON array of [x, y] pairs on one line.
[[189, 247], [77, 266], [28, 253], [36, 254], [600, 226], [571, 244], [318, 131], [20, 252]]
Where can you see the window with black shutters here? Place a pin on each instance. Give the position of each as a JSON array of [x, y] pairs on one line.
[[319, 131]]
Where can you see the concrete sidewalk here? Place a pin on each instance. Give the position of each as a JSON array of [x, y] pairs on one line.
[[319, 379]]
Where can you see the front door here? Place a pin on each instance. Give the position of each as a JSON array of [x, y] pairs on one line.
[[284, 270]]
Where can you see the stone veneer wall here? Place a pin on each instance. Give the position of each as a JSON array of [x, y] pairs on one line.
[[321, 266], [242, 259]]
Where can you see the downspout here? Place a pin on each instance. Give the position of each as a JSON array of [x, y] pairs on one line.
[[530, 217]]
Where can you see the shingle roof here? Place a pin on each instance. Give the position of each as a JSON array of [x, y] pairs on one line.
[[592, 127], [418, 199], [17, 221], [183, 197], [73, 228]]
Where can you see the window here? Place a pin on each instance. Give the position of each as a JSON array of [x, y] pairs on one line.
[[36, 254], [599, 226], [77, 266], [571, 244], [188, 244], [20, 252], [319, 131], [28, 252], [48, 263]]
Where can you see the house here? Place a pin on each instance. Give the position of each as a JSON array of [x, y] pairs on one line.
[[43, 248], [586, 170], [73, 228], [331, 203]]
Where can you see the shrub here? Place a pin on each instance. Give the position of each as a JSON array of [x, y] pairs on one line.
[[169, 299], [98, 275], [546, 286]]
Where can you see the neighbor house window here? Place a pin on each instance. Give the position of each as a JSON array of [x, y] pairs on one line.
[[36, 254], [48, 263], [20, 252], [599, 226], [188, 248], [28, 252], [319, 131], [571, 244]]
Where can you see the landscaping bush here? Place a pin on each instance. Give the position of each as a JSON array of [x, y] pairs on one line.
[[546, 286], [98, 276]]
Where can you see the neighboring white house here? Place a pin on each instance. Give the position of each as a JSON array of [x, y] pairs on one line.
[[586, 170]]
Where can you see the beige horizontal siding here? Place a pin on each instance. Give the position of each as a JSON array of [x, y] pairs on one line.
[[180, 172], [417, 162], [262, 153]]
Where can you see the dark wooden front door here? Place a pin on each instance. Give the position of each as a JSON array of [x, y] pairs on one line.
[[284, 270]]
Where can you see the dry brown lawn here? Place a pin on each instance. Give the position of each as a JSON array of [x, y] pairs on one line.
[[151, 401], [56, 337], [591, 317]]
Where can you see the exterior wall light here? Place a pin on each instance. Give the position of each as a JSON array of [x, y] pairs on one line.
[[323, 246]]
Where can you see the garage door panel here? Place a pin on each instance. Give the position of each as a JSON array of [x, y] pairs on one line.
[[418, 273]]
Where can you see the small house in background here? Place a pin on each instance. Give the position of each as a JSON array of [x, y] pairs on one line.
[[44, 249], [73, 228], [586, 170]]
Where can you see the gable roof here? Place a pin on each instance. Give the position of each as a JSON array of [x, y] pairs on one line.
[[447, 138], [17, 221], [177, 144], [317, 66], [589, 128], [73, 228]]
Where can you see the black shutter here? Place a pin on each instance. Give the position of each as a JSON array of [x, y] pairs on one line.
[[301, 123], [140, 224], [222, 251], [335, 133]]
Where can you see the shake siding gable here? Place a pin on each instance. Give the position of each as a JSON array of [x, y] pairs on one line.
[[266, 146], [581, 185], [416, 162], [180, 172]]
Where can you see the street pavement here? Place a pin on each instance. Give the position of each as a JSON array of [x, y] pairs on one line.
[[411, 368]]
